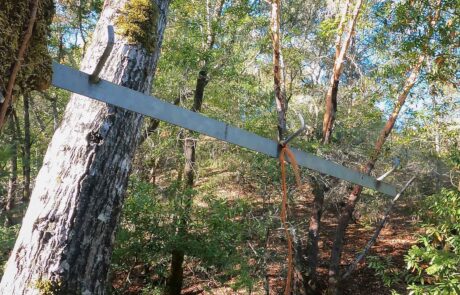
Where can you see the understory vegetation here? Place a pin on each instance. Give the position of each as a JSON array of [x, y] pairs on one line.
[[212, 210]]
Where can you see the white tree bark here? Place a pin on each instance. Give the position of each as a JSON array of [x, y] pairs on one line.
[[67, 235]]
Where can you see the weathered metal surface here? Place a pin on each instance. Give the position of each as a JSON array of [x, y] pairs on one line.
[[78, 82]]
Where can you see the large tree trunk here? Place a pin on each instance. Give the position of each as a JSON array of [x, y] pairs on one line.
[[347, 211], [67, 235], [26, 158], [340, 53]]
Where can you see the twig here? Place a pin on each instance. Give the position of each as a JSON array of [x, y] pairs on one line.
[[17, 64], [395, 166], [372, 241]]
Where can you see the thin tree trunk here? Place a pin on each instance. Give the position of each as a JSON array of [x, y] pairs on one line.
[[340, 53], [33, 107], [13, 181], [313, 241], [376, 234], [278, 69], [353, 197], [347, 211], [176, 277], [17, 65], [437, 141], [279, 84], [67, 235], [328, 121], [27, 145]]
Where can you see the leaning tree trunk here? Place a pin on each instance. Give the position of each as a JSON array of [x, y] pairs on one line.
[[353, 197], [66, 239], [340, 53], [341, 48]]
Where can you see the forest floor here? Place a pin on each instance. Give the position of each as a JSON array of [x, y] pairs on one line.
[[394, 241], [398, 235]]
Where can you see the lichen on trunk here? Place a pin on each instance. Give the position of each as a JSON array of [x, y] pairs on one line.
[[67, 235]]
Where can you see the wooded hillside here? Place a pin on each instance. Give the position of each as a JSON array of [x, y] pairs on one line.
[[97, 199]]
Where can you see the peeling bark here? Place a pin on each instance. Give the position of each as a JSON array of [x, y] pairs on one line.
[[341, 49], [67, 235], [278, 68]]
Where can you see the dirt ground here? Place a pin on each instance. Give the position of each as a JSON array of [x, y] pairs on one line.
[[394, 241]]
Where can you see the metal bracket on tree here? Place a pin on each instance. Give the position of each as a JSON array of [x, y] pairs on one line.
[[295, 134], [94, 77]]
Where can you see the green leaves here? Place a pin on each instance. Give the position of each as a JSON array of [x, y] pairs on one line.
[[7, 238], [435, 262]]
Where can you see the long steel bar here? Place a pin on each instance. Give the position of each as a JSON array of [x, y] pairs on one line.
[[78, 82]]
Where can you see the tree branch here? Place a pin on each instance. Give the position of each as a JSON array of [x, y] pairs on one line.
[[372, 241], [17, 64]]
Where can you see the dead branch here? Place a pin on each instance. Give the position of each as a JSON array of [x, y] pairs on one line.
[[372, 241]]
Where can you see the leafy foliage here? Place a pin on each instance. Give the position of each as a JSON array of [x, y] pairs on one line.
[[385, 269], [217, 233], [435, 262], [7, 238]]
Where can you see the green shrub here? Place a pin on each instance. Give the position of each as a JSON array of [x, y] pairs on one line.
[[435, 262], [7, 238], [216, 240], [385, 269]]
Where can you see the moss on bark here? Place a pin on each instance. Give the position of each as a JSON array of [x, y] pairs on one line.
[[138, 22], [35, 73]]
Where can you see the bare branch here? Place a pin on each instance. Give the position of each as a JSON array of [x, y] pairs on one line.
[[372, 241], [395, 166]]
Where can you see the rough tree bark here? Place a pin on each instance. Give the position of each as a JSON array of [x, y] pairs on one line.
[[314, 228], [341, 48], [176, 276], [353, 197], [67, 235]]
